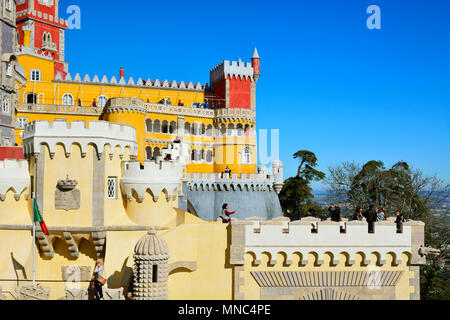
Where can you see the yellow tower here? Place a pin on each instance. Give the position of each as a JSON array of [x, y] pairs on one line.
[[128, 111]]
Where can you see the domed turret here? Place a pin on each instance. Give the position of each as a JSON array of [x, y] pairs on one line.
[[151, 269], [152, 246]]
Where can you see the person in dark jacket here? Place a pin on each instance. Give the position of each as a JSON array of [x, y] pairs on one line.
[[399, 219], [371, 217]]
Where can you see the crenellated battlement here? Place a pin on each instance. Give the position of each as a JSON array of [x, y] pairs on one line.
[[223, 182], [98, 133], [14, 176], [171, 85], [311, 235], [239, 69], [49, 18], [156, 176], [34, 52]]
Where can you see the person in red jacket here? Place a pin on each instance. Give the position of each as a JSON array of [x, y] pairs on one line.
[[226, 214]]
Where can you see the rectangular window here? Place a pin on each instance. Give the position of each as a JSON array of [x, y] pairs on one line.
[[155, 273], [9, 69], [112, 188], [35, 75]]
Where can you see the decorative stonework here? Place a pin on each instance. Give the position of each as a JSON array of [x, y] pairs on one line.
[[150, 280], [67, 197], [71, 244], [329, 294], [45, 245], [76, 273], [327, 278], [99, 239], [32, 293]]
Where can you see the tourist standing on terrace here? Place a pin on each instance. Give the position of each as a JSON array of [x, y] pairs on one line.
[[399, 221], [371, 217]]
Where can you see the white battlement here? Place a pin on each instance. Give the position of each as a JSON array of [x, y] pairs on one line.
[[139, 83], [34, 52], [219, 181], [14, 176], [233, 68], [156, 176], [310, 235], [99, 133]]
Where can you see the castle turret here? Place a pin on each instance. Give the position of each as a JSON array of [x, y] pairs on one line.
[[277, 171], [151, 269], [256, 65], [128, 111]]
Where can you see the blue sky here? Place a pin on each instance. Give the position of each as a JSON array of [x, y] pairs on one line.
[[328, 83]]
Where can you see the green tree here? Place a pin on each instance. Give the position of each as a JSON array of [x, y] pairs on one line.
[[296, 195], [401, 188]]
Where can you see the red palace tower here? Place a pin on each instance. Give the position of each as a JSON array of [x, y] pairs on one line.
[[47, 29]]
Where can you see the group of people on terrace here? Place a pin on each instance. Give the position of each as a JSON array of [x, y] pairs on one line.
[[371, 215], [200, 105]]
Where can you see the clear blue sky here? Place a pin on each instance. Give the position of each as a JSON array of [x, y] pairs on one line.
[[328, 83]]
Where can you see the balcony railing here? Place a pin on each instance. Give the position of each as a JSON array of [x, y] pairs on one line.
[[150, 107], [57, 109]]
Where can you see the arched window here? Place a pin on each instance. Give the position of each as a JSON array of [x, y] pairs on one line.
[[194, 156], [156, 152], [203, 130], [156, 126], [209, 156], [194, 129], [148, 153], [101, 101], [187, 128], [165, 126], [6, 105], [246, 156], [240, 129], [67, 99], [209, 130], [223, 130], [230, 129], [202, 155], [172, 127], [148, 125], [247, 130]]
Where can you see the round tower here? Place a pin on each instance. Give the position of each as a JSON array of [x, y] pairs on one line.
[[277, 171], [151, 268], [128, 111]]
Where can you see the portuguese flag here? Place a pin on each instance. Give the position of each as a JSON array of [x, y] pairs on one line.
[[38, 217]]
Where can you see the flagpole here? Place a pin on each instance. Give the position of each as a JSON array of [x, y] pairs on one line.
[[34, 248]]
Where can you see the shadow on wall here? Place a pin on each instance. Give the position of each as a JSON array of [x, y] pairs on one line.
[[18, 268], [122, 278]]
